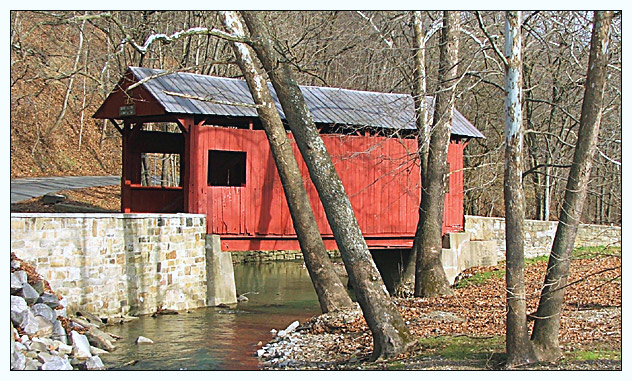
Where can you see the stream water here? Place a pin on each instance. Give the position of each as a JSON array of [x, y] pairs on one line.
[[216, 338]]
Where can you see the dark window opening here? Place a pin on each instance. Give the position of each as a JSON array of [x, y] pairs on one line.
[[226, 168]]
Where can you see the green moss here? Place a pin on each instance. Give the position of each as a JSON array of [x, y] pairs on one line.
[[479, 278], [597, 354], [463, 347], [595, 251], [396, 365], [534, 260]]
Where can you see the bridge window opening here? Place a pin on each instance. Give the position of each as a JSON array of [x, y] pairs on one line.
[[227, 168], [160, 169]]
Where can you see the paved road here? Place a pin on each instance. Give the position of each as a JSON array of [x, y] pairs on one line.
[[23, 189]]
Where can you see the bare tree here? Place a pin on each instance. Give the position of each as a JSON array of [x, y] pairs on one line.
[[390, 335], [332, 294], [405, 284], [547, 325], [430, 277], [518, 346]]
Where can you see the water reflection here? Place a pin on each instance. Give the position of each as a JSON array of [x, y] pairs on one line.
[[215, 338]]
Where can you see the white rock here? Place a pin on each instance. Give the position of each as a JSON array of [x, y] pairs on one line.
[[57, 364], [94, 363], [260, 352], [18, 309], [41, 309], [18, 361], [290, 328], [44, 327], [144, 340], [52, 344], [97, 351], [64, 349], [45, 357], [80, 344], [32, 364]]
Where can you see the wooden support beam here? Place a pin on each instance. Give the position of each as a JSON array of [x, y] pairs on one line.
[[120, 130], [195, 168]]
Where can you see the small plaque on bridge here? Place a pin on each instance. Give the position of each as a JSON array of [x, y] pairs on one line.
[[127, 110]]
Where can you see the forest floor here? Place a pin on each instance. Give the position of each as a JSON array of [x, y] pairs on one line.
[[463, 331], [101, 199]]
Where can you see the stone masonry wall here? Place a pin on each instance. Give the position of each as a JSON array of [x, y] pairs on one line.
[[539, 234], [109, 264], [273, 255]]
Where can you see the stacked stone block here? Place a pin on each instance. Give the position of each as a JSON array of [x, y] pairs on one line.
[[539, 234], [112, 264]]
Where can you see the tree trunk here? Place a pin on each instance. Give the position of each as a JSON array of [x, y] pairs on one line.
[[390, 335], [405, 284], [519, 348], [332, 294], [547, 325], [430, 278]]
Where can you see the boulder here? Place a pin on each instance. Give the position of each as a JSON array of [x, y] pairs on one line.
[[29, 325], [16, 283], [80, 345], [94, 363], [44, 327], [91, 318], [97, 351], [45, 357], [38, 285], [100, 339], [13, 333], [18, 309], [82, 323], [50, 343], [41, 309], [38, 346], [28, 293], [59, 333], [53, 198], [49, 299], [18, 361], [32, 364], [58, 363], [64, 349], [20, 276]]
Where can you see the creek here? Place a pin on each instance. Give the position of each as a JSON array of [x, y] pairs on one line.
[[215, 338]]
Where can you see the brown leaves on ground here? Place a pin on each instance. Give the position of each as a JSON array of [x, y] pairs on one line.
[[32, 275], [478, 310]]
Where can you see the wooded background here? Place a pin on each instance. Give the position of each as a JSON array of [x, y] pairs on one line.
[[64, 64]]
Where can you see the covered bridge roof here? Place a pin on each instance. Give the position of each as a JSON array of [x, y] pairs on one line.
[[327, 105]]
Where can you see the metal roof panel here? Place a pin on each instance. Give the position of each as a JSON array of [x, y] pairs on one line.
[[327, 105]]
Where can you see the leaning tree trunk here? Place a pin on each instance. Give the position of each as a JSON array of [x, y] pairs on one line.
[[390, 334], [405, 284], [519, 348], [546, 330], [430, 278], [332, 294]]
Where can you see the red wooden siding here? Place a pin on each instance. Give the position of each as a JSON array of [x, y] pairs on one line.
[[378, 173]]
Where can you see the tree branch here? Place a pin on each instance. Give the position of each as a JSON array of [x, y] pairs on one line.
[[210, 100]]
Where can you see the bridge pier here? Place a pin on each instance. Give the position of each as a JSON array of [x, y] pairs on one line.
[[220, 275]]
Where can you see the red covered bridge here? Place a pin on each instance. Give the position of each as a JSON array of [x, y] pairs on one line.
[[226, 170]]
